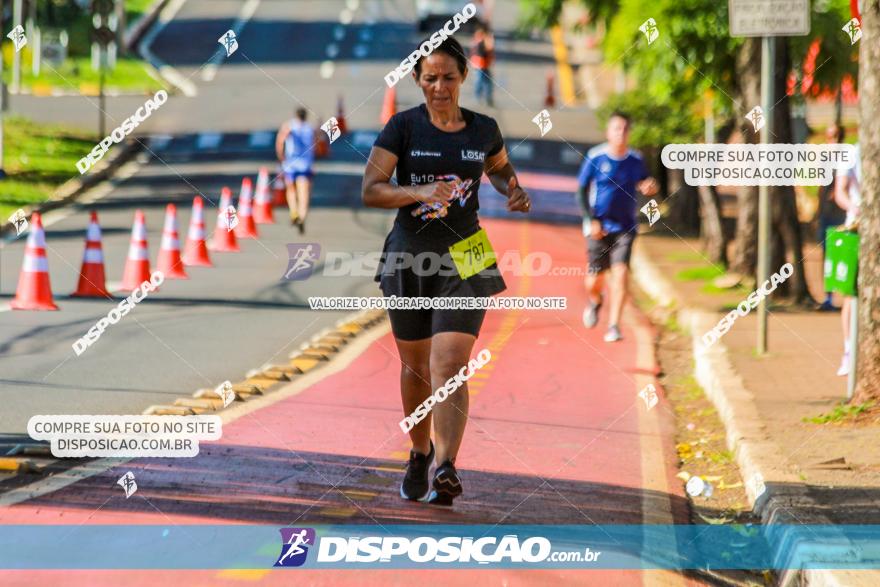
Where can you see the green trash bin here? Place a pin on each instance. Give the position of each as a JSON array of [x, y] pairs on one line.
[[841, 261]]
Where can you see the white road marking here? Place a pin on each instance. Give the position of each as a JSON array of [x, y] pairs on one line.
[[170, 74], [260, 138], [208, 140]]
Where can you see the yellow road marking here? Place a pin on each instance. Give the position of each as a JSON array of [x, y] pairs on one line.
[[563, 68]]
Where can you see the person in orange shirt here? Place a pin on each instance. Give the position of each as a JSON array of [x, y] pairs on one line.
[[482, 58]]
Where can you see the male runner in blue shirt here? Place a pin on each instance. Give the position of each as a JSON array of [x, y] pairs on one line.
[[607, 184]]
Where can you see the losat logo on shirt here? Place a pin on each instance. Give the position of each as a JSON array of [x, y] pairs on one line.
[[472, 155]]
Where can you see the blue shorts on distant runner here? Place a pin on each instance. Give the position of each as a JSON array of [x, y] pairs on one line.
[[292, 175]]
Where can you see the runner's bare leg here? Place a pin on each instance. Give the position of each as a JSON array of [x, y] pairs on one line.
[[415, 387], [450, 351]]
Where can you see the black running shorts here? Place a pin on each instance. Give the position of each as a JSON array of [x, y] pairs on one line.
[[613, 248], [421, 324]]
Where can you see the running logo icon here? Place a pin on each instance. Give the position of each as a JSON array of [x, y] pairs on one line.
[[756, 117], [854, 30], [331, 127], [19, 221], [652, 211], [127, 482], [229, 42], [303, 257], [649, 396], [649, 27], [228, 218], [17, 37], [294, 546], [542, 119]]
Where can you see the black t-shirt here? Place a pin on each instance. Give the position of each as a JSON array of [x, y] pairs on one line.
[[426, 154]]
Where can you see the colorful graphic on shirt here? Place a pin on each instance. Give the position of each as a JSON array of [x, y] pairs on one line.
[[461, 191]]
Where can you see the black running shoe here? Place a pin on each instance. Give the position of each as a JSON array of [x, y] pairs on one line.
[[447, 485], [415, 483]]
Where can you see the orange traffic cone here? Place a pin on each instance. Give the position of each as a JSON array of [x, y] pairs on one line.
[[224, 240], [137, 266], [550, 99], [92, 283], [169, 261], [279, 190], [389, 105], [33, 291], [340, 116], [263, 202], [246, 227], [195, 251]]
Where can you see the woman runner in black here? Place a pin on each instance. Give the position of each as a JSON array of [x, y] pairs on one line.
[[440, 152]]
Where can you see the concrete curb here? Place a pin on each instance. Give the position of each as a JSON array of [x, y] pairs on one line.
[[746, 434], [73, 188]]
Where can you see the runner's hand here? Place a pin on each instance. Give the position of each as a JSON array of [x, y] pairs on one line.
[[517, 198], [648, 186], [437, 192], [596, 231]]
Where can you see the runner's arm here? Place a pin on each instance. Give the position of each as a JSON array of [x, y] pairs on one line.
[[503, 178], [279, 141], [378, 192]]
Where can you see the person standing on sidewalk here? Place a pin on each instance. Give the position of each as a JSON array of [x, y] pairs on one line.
[[482, 58], [295, 146], [848, 195], [607, 183], [830, 214], [440, 151]]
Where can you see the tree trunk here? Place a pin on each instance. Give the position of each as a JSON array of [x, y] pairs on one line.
[[711, 230], [869, 224], [748, 69], [683, 215], [783, 203]]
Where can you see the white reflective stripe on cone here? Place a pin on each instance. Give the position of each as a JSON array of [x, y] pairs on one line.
[[34, 264], [93, 256], [93, 233], [196, 233], [170, 223], [137, 252], [37, 239], [139, 232], [170, 242]]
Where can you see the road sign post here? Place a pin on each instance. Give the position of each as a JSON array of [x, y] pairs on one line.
[[767, 19]]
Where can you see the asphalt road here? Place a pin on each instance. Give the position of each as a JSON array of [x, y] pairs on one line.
[[239, 315]]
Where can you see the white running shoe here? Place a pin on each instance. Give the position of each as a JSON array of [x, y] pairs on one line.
[[843, 371], [613, 334]]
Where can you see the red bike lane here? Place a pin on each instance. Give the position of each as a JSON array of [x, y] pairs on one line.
[[557, 435]]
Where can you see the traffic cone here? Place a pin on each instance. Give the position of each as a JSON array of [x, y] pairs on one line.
[[279, 190], [340, 116], [389, 105], [224, 240], [550, 99], [263, 202], [137, 265], [246, 227], [33, 291], [169, 261], [92, 283], [195, 251]]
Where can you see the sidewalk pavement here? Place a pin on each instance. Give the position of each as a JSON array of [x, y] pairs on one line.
[[557, 435], [814, 473]]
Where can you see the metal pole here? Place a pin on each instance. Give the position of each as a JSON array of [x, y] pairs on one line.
[[768, 50], [102, 106], [16, 57], [853, 347]]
